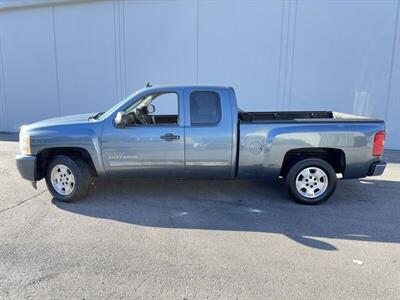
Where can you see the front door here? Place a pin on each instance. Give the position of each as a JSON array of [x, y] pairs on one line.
[[154, 148]]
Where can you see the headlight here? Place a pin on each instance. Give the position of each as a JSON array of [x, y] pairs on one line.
[[24, 144]]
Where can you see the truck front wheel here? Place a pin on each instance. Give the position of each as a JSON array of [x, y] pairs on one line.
[[311, 181], [67, 179]]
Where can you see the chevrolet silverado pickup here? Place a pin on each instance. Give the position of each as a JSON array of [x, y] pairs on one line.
[[199, 132]]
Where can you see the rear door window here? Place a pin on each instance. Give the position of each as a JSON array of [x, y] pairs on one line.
[[205, 108]]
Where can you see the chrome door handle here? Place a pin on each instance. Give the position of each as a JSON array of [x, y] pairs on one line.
[[169, 137]]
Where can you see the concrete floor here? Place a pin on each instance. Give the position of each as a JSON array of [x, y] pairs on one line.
[[198, 239]]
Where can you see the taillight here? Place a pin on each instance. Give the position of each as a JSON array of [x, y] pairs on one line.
[[379, 141]]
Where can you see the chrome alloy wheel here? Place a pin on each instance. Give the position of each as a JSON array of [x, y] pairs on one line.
[[62, 180], [311, 182]]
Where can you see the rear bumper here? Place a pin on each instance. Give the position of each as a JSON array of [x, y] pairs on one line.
[[26, 165], [377, 168]]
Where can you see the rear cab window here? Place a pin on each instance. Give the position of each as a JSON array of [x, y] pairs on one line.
[[205, 108]]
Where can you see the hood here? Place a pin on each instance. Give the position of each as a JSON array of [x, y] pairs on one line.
[[65, 120]]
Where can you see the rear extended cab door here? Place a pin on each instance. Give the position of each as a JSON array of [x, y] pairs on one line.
[[210, 132]]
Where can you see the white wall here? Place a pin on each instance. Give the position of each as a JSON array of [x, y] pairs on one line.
[[63, 57], [86, 65], [28, 67], [240, 45]]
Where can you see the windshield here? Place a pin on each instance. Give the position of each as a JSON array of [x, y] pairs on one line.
[[104, 115]]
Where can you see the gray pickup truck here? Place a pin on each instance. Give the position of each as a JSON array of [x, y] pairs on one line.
[[199, 132]]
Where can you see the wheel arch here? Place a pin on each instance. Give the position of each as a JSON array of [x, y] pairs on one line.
[[44, 157], [334, 156]]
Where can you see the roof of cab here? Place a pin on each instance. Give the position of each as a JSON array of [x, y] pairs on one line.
[[174, 87]]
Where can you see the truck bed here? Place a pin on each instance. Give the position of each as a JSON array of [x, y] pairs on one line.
[[260, 117], [283, 115]]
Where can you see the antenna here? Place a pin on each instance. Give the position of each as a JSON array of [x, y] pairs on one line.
[[148, 85]]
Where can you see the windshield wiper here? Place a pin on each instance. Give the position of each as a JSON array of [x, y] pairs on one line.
[[96, 116]]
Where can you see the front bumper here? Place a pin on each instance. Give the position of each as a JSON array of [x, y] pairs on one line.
[[26, 165], [377, 168]]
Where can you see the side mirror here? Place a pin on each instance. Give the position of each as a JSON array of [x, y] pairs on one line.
[[150, 108], [120, 119]]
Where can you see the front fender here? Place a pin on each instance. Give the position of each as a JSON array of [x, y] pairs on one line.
[[85, 136]]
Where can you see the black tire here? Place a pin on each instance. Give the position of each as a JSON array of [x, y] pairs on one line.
[[310, 163], [81, 173]]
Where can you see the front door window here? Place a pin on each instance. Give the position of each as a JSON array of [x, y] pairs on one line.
[[154, 109]]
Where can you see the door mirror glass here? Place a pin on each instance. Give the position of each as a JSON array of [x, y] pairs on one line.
[[150, 108], [120, 119]]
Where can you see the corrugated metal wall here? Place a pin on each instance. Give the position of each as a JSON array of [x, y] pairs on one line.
[[65, 57]]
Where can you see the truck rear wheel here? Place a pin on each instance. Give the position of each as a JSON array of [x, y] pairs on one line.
[[311, 181], [67, 179]]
